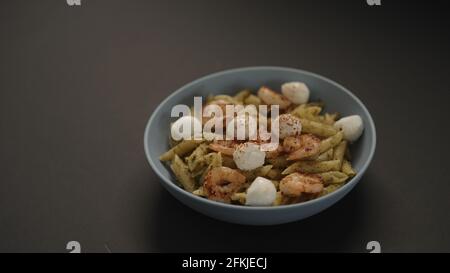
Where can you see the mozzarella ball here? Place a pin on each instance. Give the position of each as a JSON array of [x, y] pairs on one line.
[[248, 156], [297, 92], [183, 128], [352, 126], [261, 192], [289, 125]]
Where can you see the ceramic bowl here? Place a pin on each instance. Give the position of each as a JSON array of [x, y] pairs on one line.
[[337, 99]]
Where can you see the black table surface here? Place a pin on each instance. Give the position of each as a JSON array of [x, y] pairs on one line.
[[78, 84]]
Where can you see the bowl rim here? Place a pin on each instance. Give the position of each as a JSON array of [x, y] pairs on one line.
[[352, 182]]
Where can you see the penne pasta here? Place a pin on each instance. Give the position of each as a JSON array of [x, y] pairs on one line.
[[317, 128], [239, 197], [278, 162], [308, 112], [347, 168], [261, 171], [199, 192], [253, 100], [182, 173], [339, 150], [325, 156], [330, 188], [274, 174], [225, 98], [228, 161], [330, 119], [312, 167], [196, 161], [333, 177], [278, 199], [242, 95], [330, 142], [181, 149]]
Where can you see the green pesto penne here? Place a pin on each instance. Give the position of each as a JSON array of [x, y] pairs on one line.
[[253, 100], [181, 149], [347, 168], [330, 188], [325, 156], [333, 177], [312, 167], [196, 161], [309, 113], [242, 95], [199, 192], [214, 160], [239, 197], [317, 128], [261, 171], [274, 174], [278, 199], [226, 98], [330, 119], [228, 161], [278, 162], [339, 151], [331, 142], [181, 171]]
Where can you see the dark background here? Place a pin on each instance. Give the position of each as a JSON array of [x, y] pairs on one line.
[[78, 84]]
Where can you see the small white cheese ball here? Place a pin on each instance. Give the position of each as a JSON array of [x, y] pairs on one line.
[[261, 192], [183, 128], [289, 125], [297, 92], [248, 156], [352, 126]]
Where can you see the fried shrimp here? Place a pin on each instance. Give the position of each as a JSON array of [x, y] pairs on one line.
[[291, 144], [221, 103], [297, 183], [302, 146], [272, 98], [225, 147], [273, 149], [221, 183]]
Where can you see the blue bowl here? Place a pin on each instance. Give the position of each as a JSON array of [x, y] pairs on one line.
[[337, 99]]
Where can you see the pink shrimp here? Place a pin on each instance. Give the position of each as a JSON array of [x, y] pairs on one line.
[[225, 147], [272, 98], [296, 184], [222, 182], [302, 146]]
